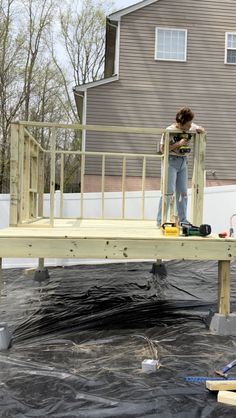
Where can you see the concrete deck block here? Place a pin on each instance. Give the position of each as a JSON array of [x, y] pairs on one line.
[[5, 336], [41, 275], [223, 325]]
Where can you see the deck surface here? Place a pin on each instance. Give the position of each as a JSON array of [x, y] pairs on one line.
[[90, 238]]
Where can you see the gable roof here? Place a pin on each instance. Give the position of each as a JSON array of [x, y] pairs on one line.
[[83, 87], [117, 15]]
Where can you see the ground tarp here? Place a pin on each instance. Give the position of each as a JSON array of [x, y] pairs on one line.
[[80, 339]]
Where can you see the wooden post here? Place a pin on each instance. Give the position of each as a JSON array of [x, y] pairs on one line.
[[165, 178], [14, 175], [1, 283], [224, 287], [34, 180], [143, 187], [62, 185], [82, 171], [40, 182], [21, 173], [198, 179], [52, 175], [103, 183], [26, 191], [123, 187], [41, 263]]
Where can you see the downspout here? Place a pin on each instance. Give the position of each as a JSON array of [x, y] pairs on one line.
[[117, 51]]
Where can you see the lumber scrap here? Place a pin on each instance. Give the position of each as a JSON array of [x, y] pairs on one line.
[[227, 397], [221, 385]]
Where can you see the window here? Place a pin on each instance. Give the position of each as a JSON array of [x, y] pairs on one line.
[[171, 44], [230, 48]]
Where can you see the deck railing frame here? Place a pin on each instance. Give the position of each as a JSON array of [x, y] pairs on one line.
[[27, 173]]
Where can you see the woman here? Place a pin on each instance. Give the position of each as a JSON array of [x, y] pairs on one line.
[[179, 149]]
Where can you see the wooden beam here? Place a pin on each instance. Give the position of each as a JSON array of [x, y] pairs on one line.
[[224, 287], [14, 175], [82, 172], [21, 162], [143, 187], [1, 282], [103, 183], [98, 128], [40, 182], [52, 175], [62, 185], [198, 178], [65, 244], [108, 154], [221, 385], [41, 263], [123, 186], [26, 198], [164, 187], [226, 397]]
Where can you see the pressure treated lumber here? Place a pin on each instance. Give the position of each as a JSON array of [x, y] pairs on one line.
[[224, 287], [225, 396], [216, 385], [111, 239]]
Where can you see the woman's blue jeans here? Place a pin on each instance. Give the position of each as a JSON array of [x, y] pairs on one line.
[[178, 184]]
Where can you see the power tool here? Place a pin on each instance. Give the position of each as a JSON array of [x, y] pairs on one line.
[[199, 231], [170, 229], [184, 149]]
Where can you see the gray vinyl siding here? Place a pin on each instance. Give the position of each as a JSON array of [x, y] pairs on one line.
[[149, 92]]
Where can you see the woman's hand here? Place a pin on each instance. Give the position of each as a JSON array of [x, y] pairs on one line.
[[200, 130], [181, 143]]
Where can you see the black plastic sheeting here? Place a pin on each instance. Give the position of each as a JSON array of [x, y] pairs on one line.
[[80, 339]]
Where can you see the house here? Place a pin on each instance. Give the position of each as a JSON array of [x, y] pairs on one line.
[[161, 55]]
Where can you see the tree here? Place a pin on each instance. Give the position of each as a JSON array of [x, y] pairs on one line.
[[38, 70], [22, 29]]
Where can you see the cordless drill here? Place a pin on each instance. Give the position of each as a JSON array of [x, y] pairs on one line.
[[184, 149], [199, 231]]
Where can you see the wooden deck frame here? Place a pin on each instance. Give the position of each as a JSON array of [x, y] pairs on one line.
[[106, 239], [27, 174]]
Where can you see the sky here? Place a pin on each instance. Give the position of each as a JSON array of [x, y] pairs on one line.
[[121, 4]]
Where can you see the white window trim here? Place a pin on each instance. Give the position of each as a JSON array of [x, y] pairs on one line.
[[171, 59], [226, 47]]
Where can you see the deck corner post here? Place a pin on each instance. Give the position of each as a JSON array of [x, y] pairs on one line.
[[198, 178], [165, 178], [223, 322], [14, 175]]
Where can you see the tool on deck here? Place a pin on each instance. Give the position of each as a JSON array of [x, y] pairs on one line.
[[191, 230], [223, 234], [199, 379], [170, 229], [223, 372]]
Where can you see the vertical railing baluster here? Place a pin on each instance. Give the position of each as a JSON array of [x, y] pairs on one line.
[[52, 175], [62, 185], [40, 183], [27, 158], [143, 186], [123, 186], [103, 183], [82, 170]]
